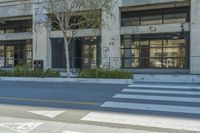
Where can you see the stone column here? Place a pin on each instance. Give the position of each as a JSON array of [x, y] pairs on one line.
[[194, 37], [110, 44], [41, 42]]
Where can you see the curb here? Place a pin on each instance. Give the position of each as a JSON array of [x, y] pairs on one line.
[[70, 80]]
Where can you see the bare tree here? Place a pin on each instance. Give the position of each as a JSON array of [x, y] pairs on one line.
[[71, 16]]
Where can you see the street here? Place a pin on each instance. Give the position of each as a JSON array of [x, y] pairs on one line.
[[40, 107]]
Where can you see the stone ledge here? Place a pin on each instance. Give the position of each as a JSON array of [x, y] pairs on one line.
[[70, 80], [167, 78]]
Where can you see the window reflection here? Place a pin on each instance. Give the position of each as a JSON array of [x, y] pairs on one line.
[[14, 53], [16, 26], [168, 50], [153, 17], [175, 18], [151, 20]]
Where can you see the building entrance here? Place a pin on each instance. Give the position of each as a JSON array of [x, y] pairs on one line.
[[84, 53]]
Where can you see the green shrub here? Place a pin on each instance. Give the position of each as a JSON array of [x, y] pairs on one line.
[[50, 73], [4, 73], [24, 71], [100, 73]]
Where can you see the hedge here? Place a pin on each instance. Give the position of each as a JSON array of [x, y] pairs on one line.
[[24, 71], [100, 73]]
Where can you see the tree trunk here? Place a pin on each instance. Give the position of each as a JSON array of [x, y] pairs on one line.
[[66, 47]]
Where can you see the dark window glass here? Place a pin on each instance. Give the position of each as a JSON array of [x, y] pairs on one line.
[[158, 16], [151, 20], [14, 53], [134, 21], [168, 50], [16, 26], [84, 52], [2, 28], [87, 21], [175, 18]]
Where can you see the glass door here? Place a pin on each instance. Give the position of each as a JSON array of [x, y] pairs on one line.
[[145, 54]]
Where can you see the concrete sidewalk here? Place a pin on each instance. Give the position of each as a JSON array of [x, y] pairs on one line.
[[70, 80], [167, 78], [22, 125]]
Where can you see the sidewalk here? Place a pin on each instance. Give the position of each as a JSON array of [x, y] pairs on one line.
[[22, 125], [167, 78], [70, 80]]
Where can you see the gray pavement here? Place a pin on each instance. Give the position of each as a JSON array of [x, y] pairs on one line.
[[71, 80], [49, 107], [19, 125]]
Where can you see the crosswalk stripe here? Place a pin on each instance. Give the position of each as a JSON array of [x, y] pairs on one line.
[[161, 91], [164, 86], [152, 107], [159, 98], [144, 120]]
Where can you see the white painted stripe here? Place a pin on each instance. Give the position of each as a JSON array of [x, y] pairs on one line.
[[152, 107], [147, 121], [161, 91], [50, 114], [159, 98], [164, 86]]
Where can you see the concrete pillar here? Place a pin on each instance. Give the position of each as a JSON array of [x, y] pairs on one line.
[[195, 39], [41, 42], [110, 44]]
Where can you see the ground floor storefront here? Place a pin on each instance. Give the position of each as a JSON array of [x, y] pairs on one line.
[[140, 53], [84, 53]]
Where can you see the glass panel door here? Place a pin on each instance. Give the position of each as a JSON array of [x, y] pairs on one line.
[[144, 54]]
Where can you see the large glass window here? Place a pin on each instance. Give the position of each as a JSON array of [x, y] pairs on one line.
[[14, 53], [86, 21], [84, 52], [151, 20], [153, 17], [167, 50], [16, 26]]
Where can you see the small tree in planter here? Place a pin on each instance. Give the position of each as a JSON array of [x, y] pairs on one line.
[[71, 16]]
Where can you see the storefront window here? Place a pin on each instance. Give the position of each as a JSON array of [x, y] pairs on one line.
[[14, 53], [84, 52], [169, 50]]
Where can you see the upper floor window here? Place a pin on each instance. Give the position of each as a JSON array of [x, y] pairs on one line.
[[153, 17], [85, 21], [16, 26]]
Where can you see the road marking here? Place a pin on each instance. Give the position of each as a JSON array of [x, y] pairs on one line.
[[164, 86], [153, 107], [71, 132], [159, 98], [142, 120], [161, 91], [21, 127], [50, 101], [50, 114]]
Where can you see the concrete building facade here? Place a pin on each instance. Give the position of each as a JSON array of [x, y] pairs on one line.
[[144, 36]]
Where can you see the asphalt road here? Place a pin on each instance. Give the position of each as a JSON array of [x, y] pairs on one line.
[[59, 95], [76, 102]]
